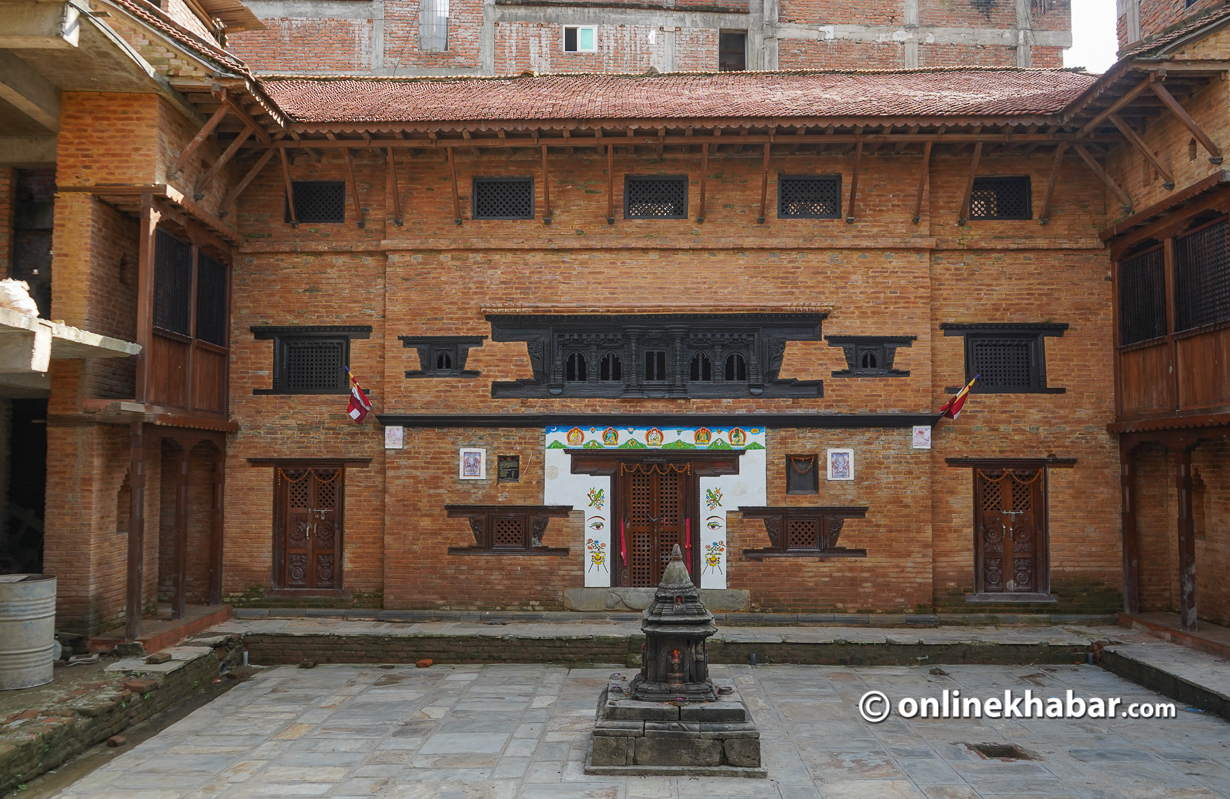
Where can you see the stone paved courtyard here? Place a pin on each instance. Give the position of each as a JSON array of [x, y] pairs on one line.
[[522, 731]]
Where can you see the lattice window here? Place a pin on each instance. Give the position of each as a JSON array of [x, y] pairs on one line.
[[1001, 198], [1142, 297], [701, 368], [991, 489], [503, 198], [1003, 362], [655, 365], [575, 369], [508, 533], [314, 365], [803, 534], [211, 301], [318, 201], [1202, 277], [736, 368], [809, 196], [656, 197], [172, 284], [802, 476], [611, 368]]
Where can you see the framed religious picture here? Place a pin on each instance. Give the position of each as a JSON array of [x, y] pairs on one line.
[[922, 437], [841, 464], [472, 464]]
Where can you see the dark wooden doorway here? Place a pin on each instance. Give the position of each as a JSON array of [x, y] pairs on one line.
[[657, 505], [308, 527], [1010, 537]]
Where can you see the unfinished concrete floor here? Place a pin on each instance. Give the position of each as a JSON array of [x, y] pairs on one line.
[[522, 731]]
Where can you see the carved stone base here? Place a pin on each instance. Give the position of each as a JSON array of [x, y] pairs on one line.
[[703, 739]]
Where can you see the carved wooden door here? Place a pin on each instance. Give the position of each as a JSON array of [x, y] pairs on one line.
[[655, 500], [1010, 532], [308, 527]]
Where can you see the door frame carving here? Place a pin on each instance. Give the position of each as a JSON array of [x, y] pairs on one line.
[[279, 528]]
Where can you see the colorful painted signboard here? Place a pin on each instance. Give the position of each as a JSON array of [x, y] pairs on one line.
[[592, 493]]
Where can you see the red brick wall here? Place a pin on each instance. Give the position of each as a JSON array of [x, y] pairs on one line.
[[1158, 15], [299, 45]]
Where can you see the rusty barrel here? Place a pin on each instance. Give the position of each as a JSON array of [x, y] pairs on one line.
[[27, 629]]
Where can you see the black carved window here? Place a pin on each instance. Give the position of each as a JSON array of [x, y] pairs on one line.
[[211, 301], [575, 369], [503, 198], [1202, 277], [870, 356], [736, 368], [443, 360], [441, 356], [1142, 297], [610, 368], [172, 284], [809, 196], [313, 366], [802, 476], [1001, 198], [318, 201], [701, 368], [1005, 357], [655, 365], [656, 197]]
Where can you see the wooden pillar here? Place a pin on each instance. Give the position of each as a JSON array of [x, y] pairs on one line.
[[1131, 535], [215, 526], [179, 552], [136, 534], [1187, 540]]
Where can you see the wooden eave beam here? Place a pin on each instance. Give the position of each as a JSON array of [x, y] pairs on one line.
[[243, 115], [1215, 156], [198, 140], [1124, 198], [924, 173], [234, 193], [1052, 183], [397, 217], [963, 216], [1140, 145], [354, 189], [1114, 107], [198, 190]]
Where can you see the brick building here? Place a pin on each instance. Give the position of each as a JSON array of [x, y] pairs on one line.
[[599, 315], [503, 37]]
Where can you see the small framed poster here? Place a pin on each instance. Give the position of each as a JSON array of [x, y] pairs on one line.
[[922, 437], [394, 437], [840, 464], [472, 464]]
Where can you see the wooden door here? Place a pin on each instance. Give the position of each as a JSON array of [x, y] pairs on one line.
[[655, 502], [1010, 531], [308, 518]]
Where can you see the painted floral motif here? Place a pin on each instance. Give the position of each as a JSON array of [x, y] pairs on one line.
[[596, 523], [713, 498], [713, 556], [597, 497], [597, 554]]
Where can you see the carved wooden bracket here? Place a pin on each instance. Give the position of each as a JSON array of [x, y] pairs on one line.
[[508, 529], [803, 532]]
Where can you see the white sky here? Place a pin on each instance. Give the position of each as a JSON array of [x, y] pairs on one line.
[[1093, 35]]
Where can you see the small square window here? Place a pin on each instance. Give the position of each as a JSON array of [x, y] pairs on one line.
[[503, 198], [802, 476], [580, 39], [809, 196], [656, 197], [509, 469], [318, 201], [1001, 198]]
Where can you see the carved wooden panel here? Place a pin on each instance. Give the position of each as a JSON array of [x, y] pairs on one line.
[[1009, 527], [308, 528]]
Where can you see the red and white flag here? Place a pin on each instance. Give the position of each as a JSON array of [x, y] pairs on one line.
[[359, 403], [952, 408]]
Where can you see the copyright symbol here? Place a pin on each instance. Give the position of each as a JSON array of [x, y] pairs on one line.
[[874, 707]]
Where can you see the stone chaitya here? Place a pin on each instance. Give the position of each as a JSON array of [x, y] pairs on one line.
[[672, 718]]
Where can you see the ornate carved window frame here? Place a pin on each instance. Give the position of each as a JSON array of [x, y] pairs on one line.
[[484, 520], [882, 348], [1034, 333], [758, 341], [430, 348], [828, 519], [284, 335]]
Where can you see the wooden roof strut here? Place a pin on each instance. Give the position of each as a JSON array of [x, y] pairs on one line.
[[198, 191], [547, 216], [924, 172], [963, 216], [764, 184], [704, 175], [858, 162], [354, 189], [610, 184], [230, 198], [290, 190], [1052, 183], [1139, 144], [198, 139], [1166, 97], [452, 169], [1091, 162], [397, 217]]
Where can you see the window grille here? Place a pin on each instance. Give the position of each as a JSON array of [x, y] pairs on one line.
[[736, 367], [211, 301], [656, 197], [314, 365], [610, 368], [701, 368], [1002, 362], [318, 201], [173, 284], [1142, 297], [809, 197], [1001, 198], [1202, 277], [802, 477], [433, 25], [503, 198], [803, 534], [508, 533], [655, 365], [576, 371]]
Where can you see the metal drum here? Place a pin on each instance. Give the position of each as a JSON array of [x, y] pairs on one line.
[[27, 629]]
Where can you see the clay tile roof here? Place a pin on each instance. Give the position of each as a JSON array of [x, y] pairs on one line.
[[1159, 42], [157, 19], [871, 94]]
